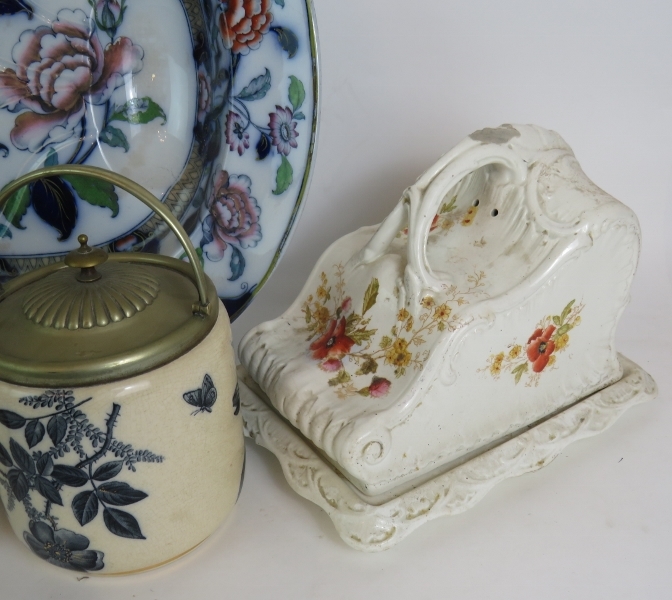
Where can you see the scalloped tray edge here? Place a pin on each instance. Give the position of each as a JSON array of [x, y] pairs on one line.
[[375, 527]]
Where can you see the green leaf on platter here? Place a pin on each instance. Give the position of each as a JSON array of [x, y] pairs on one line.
[[257, 88], [297, 93], [199, 253], [441, 326], [567, 310], [370, 365], [362, 335], [95, 192], [287, 39], [309, 315], [139, 111], [370, 296], [5, 232], [341, 377], [447, 207], [364, 392], [284, 177], [15, 208], [519, 370], [563, 330], [386, 342], [52, 158], [557, 321], [114, 137], [280, 3], [299, 116], [352, 320]]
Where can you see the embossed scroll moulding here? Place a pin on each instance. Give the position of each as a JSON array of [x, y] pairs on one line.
[[468, 338]]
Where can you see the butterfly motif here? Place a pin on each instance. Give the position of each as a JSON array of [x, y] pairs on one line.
[[204, 398]]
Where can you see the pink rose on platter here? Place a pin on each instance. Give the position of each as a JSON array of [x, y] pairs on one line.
[[346, 305], [331, 365], [204, 94], [283, 129], [236, 137], [379, 387], [60, 68], [234, 215]]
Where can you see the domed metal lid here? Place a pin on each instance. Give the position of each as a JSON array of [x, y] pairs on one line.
[[60, 301], [96, 318]]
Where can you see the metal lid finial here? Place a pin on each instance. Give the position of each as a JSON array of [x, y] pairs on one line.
[[86, 259]]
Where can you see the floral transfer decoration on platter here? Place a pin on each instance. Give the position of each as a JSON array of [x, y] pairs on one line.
[[344, 344], [240, 191], [550, 337], [266, 124], [61, 70], [31, 472]]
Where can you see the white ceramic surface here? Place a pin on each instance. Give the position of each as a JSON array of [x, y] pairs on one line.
[[487, 300]]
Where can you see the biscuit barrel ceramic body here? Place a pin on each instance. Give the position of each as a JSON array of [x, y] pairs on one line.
[[121, 446]]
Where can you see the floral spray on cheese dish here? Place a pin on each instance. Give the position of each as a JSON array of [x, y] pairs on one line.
[[486, 303]]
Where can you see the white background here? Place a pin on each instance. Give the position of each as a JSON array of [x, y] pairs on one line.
[[402, 82]]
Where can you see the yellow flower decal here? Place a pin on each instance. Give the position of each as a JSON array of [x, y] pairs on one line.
[[550, 336], [345, 345], [427, 302], [468, 219], [398, 354], [515, 351], [561, 342], [442, 312]]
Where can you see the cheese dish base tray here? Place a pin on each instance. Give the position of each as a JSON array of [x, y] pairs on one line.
[[370, 525]]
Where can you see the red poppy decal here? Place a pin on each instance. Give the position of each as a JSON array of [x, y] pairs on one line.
[[334, 343], [540, 347]]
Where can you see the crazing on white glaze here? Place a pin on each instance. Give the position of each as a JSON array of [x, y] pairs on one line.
[[128, 475], [487, 300]]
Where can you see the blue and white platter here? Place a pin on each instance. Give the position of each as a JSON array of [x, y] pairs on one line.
[[210, 104]]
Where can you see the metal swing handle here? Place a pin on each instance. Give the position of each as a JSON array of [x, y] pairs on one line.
[[141, 193]]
